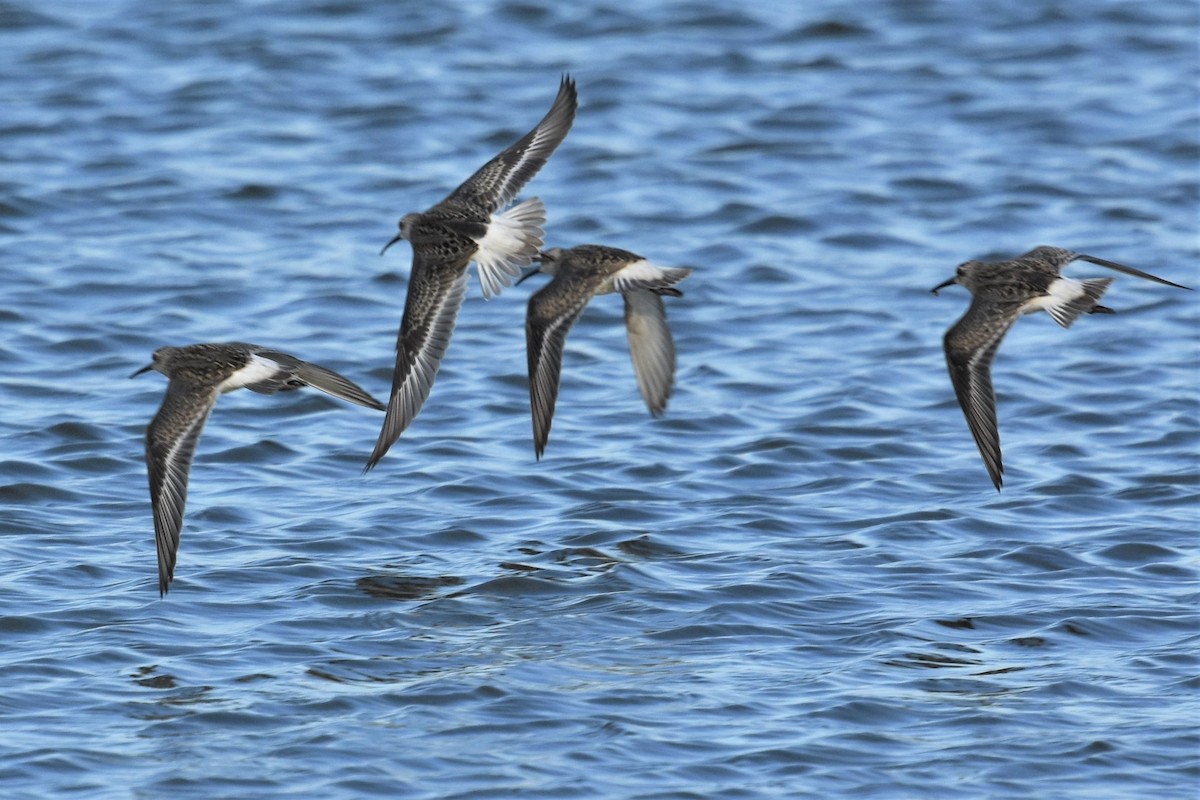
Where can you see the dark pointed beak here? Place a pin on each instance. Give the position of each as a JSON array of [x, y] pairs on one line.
[[943, 285], [531, 273], [395, 239], [146, 368]]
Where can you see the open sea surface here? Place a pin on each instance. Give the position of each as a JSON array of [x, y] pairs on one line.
[[797, 583]]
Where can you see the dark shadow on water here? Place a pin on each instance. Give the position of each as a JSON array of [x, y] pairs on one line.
[[405, 587]]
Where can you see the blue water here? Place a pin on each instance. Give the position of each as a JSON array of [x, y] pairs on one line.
[[798, 583]]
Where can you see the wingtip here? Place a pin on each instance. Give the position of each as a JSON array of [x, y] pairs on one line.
[[567, 88], [1137, 273], [382, 446], [997, 475], [377, 454]]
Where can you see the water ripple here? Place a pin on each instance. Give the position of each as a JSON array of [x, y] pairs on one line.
[[798, 582]]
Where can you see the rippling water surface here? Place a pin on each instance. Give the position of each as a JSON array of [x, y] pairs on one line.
[[799, 582]]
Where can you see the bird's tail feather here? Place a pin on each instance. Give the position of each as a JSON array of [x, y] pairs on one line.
[[512, 240]]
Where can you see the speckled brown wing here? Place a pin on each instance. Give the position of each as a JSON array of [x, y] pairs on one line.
[[497, 182], [552, 311], [1053, 259], [971, 345], [435, 294], [170, 444]]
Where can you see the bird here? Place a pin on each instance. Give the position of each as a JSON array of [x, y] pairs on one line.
[[1003, 291], [462, 228], [198, 374], [579, 274]]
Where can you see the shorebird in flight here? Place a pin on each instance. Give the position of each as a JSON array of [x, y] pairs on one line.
[[199, 374], [579, 274], [462, 228], [1003, 291]]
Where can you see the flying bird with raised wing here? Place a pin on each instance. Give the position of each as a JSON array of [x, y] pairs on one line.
[[445, 239]]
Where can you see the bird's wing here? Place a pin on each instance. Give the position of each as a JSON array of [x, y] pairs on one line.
[[1137, 273], [334, 384], [650, 346], [435, 294], [274, 371], [552, 312], [497, 182], [170, 444], [971, 345]]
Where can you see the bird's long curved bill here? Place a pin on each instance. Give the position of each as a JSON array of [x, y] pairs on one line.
[[943, 285], [395, 239], [528, 274], [146, 368]]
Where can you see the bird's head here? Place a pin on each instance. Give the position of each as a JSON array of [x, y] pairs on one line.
[[546, 262], [158, 361], [406, 225], [964, 275]]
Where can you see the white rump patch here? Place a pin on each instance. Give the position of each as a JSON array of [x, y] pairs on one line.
[[257, 370], [640, 270], [512, 240], [642, 274], [1059, 296]]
